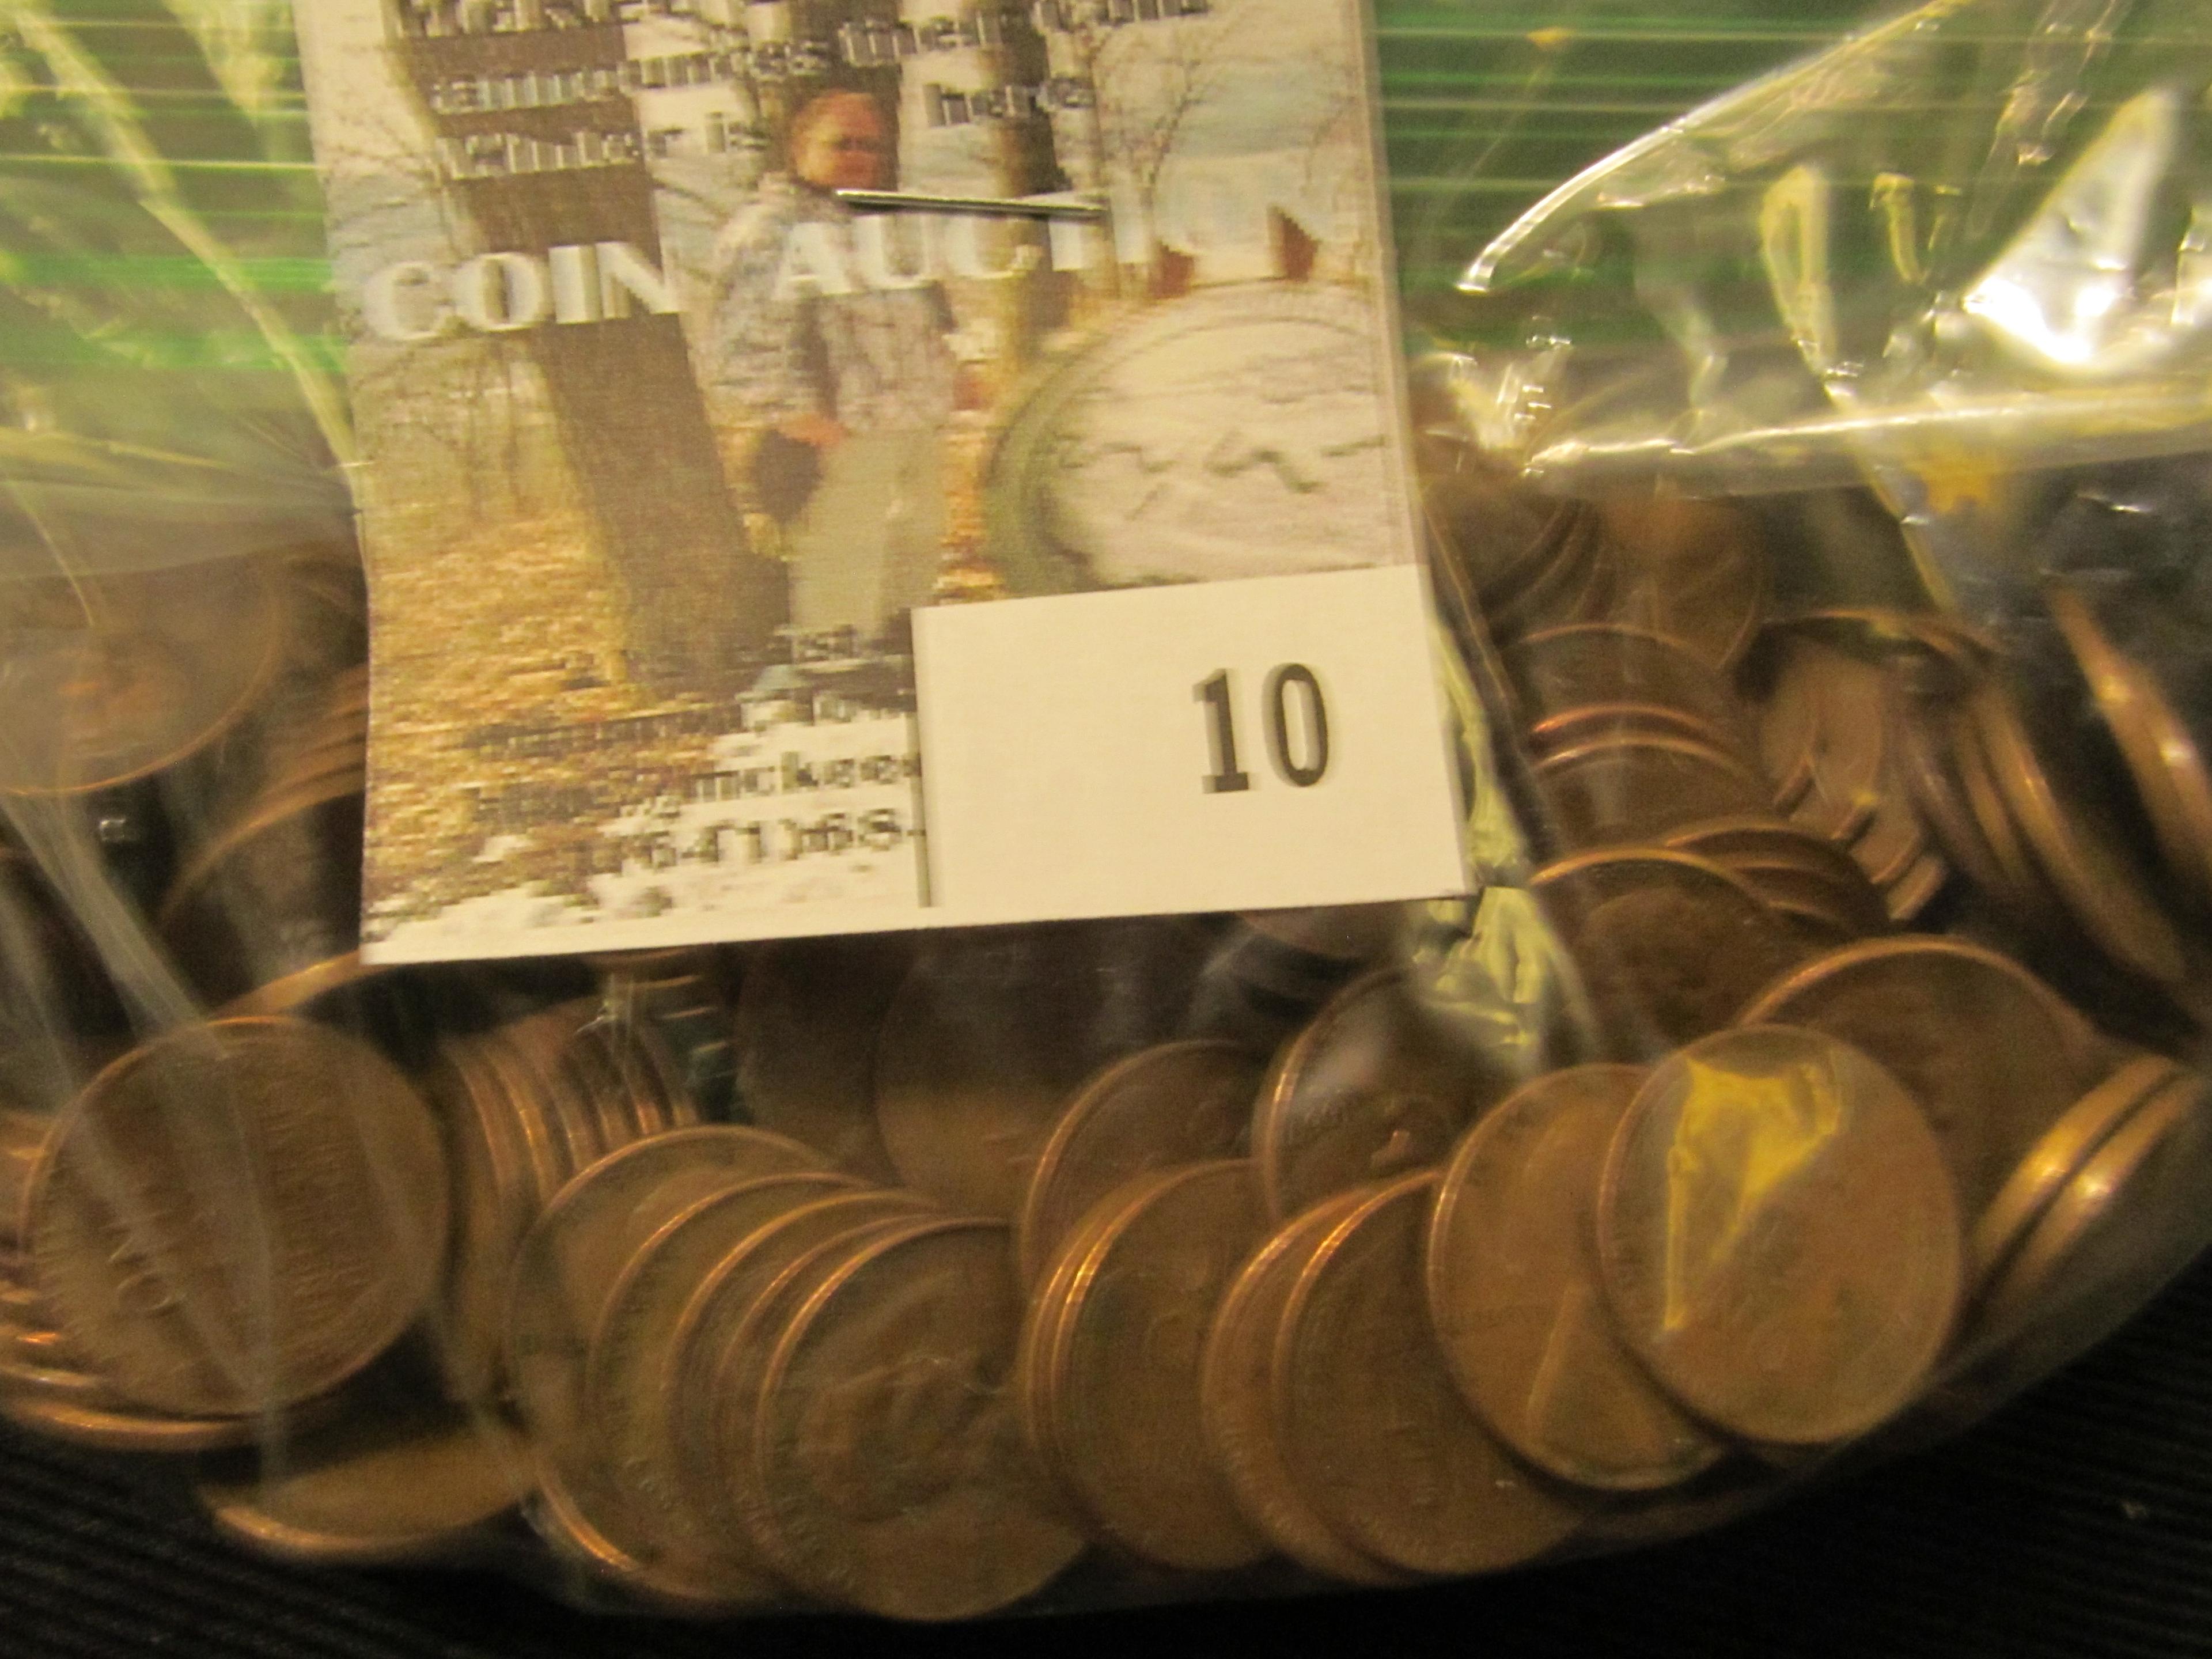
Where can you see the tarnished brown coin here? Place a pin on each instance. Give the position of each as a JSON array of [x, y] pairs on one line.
[[1178, 1104], [2132, 1215], [1380, 1083], [2058, 1155], [2162, 756], [723, 1336], [413, 1481], [626, 1395], [1124, 1430], [238, 1215], [1993, 1056], [1920, 738], [1669, 945], [108, 1426], [1694, 571], [1566, 674], [2022, 882], [896, 1474], [1824, 733], [113, 679], [1778, 1237], [1640, 789], [1514, 1288], [1763, 842], [2086, 860], [1569, 581], [804, 1040], [993, 1032], [1374, 1430], [1237, 1402], [573, 1254], [497, 1195]]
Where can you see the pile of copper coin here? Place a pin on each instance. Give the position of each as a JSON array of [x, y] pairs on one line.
[[1815, 1072]]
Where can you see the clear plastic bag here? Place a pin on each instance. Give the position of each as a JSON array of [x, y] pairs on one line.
[[1813, 1068]]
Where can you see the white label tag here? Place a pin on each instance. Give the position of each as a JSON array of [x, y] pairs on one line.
[[1234, 746], [850, 466]]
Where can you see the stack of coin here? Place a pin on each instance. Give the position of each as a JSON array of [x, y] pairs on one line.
[[1826, 738], [271, 905], [525, 1106], [748, 1378], [688, 997], [231, 1221], [2025, 791]]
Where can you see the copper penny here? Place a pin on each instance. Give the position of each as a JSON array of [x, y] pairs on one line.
[[1514, 1288], [266, 1142], [1374, 1430], [2131, 1216], [993, 1033], [575, 1251], [2022, 882], [804, 1041], [2055, 1158], [2085, 861], [1755, 846], [110, 1427], [1667, 945], [633, 1489], [1178, 1104], [1602, 666], [413, 1481], [716, 1335], [1826, 715], [1919, 738], [1779, 1238], [1380, 1083], [2162, 754], [111, 678], [1992, 1055], [1694, 571], [1124, 1366], [1237, 1401], [886, 1442], [1640, 789]]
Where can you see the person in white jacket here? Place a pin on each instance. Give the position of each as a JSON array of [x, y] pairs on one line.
[[818, 334]]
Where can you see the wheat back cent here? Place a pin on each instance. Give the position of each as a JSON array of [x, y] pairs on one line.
[[552, 1320], [580, 1244], [1993, 1056], [703, 1348], [1123, 1389], [895, 1472], [632, 1355], [1237, 1401], [1379, 1084], [1374, 1430], [2044, 1172], [239, 1216], [413, 1481], [1669, 945], [1637, 788], [1520, 1312], [1778, 1237], [1178, 1104]]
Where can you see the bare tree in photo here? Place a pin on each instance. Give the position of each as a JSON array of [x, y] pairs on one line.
[[1144, 83], [630, 418]]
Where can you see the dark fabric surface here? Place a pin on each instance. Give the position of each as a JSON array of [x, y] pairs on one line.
[[2077, 1523]]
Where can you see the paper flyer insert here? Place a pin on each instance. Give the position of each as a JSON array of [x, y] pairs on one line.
[[847, 465]]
